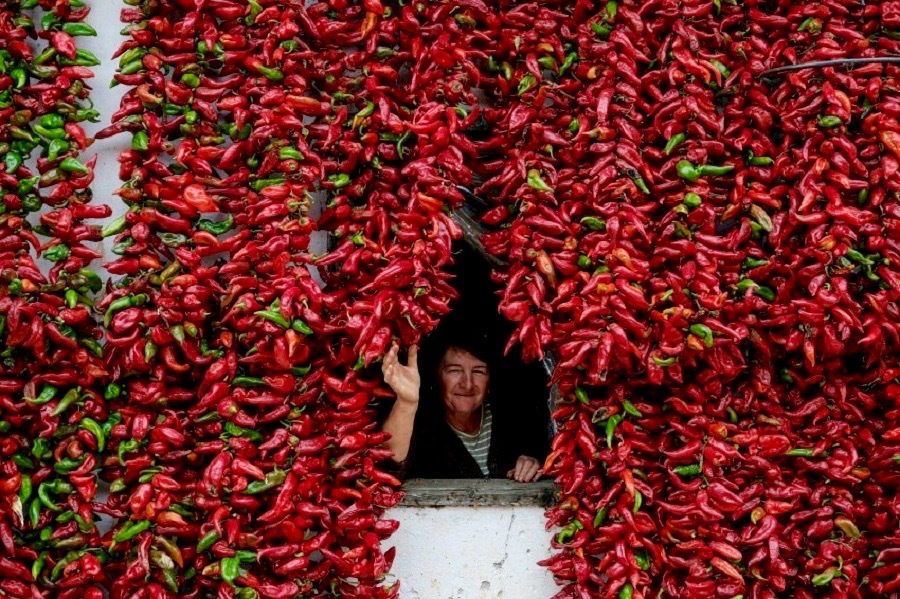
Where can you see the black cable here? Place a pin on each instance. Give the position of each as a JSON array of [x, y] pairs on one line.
[[828, 63]]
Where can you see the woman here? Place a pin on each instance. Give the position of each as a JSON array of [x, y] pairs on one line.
[[462, 435]]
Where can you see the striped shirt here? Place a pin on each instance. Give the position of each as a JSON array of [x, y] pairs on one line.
[[479, 444]]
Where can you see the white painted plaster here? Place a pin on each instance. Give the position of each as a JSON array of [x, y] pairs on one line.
[[471, 553]]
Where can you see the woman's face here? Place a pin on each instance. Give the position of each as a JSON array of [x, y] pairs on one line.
[[464, 381]]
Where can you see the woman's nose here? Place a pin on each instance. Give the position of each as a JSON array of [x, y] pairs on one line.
[[468, 381]]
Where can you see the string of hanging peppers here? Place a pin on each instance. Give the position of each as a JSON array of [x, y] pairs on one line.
[[54, 422], [705, 243]]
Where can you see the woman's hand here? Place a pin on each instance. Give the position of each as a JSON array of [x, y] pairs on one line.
[[404, 380], [527, 470]]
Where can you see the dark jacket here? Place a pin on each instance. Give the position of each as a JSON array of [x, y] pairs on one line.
[[436, 452]]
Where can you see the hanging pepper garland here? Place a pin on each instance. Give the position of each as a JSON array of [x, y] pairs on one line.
[[54, 423], [704, 241]]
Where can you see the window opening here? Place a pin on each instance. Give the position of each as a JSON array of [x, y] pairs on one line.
[[516, 413]]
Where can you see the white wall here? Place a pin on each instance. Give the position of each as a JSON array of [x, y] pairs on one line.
[[471, 553]]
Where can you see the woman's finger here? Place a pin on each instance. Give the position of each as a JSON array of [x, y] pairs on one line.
[[524, 467], [413, 358]]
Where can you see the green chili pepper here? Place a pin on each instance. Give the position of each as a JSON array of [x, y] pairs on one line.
[[755, 262], [639, 182], [25, 489], [67, 400], [688, 470], [611, 425], [150, 350], [710, 170], [720, 67], [801, 452], [93, 345], [272, 480], [548, 62], [692, 200], [43, 493], [140, 141], [601, 30], [270, 73], [600, 518], [112, 391], [340, 180], [673, 142], [732, 415], [131, 530], [67, 464], [247, 381], [115, 227], [830, 121], [367, 110], [665, 361], [72, 165], [565, 535], [40, 448], [255, 9], [573, 126], [55, 148], [584, 262], [13, 160], [642, 560], [229, 569], [612, 8], [38, 566], [87, 114], [571, 59], [289, 153], [52, 121], [237, 431], [93, 427], [117, 485], [22, 461], [627, 591], [687, 171], [274, 317], [79, 28], [760, 160], [121, 303], [301, 327], [526, 83], [34, 511], [638, 500], [534, 180], [190, 80], [207, 541], [630, 409], [825, 577], [57, 253], [704, 332], [582, 395], [25, 186], [51, 134], [811, 25], [46, 394], [5, 425]]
